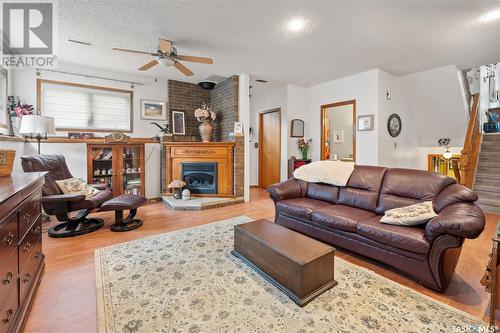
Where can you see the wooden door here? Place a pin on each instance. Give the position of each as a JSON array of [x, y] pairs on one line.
[[270, 147], [130, 169], [102, 166]]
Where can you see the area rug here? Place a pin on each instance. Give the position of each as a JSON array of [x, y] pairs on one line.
[[188, 281]]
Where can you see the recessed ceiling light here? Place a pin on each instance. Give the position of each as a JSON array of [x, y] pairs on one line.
[[490, 16], [296, 24]]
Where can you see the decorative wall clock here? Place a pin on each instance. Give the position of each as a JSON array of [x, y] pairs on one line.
[[394, 125]]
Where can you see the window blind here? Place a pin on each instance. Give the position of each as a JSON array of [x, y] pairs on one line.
[[80, 107]]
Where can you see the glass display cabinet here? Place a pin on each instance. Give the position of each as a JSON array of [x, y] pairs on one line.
[[120, 166]]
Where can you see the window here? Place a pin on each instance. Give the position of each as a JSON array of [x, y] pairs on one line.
[[86, 108]]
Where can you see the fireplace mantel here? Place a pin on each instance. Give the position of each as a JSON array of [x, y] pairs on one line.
[[221, 153]]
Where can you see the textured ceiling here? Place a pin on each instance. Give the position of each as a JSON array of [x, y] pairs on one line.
[[342, 38]]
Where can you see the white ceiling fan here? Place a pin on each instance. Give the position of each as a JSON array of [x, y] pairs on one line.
[[167, 56]]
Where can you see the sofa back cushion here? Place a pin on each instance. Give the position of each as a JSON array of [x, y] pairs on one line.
[[363, 187], [325, 192], [404, 187]]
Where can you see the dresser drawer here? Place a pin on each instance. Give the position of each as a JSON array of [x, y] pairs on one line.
[[30, 212], [208, 152], [8, 236], [8, 277], [26, 276], [31, 245], [8, 312]]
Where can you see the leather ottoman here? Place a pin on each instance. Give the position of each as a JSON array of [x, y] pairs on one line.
[[119, 204]]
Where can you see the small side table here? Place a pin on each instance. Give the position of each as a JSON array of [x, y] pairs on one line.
[[294, 163]]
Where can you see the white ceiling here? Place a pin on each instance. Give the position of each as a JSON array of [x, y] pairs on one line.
[[342, 38]]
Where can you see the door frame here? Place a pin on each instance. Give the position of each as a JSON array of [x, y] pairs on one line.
[[261, 114], [322, 121]]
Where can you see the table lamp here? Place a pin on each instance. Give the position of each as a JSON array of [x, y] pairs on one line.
[[37, 127]]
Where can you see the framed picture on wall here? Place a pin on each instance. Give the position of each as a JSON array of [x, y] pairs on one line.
[[338, 136], [178, 122], [366, 123], [297, 128], [153, 110]]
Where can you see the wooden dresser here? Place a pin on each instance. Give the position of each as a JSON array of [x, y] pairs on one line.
[[21, 258]]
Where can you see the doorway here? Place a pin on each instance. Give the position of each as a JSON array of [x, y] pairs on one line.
[[269, 147]]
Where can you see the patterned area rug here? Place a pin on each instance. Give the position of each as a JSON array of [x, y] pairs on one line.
[[188, 281]]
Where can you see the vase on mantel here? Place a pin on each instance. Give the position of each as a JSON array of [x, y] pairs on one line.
[[15, 123], [206, 130]]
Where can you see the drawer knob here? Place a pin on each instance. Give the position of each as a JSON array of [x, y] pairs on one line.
[[26, 277], [8, 239], [38, 230], [8, 314], [8, 278], [27, 217], [37, 255], [26, 247]]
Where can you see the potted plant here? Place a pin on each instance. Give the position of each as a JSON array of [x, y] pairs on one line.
[[16, 111], [492, 125], [177, 186], [205, 116], [304, 147]]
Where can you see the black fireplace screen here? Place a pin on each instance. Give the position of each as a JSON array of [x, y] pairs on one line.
[[200, 177]]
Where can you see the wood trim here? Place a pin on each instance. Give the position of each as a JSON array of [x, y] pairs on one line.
[[472, 146], [229, 143], [39, 83], [63, 139], [13, 138], [322, 120], [260, 140]]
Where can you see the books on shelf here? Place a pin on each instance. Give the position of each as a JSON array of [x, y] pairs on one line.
[[104, 154]]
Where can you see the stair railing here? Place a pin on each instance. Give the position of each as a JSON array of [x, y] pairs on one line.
[[472, 146]]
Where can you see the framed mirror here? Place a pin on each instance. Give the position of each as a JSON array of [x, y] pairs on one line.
[[338, 131], [297, 128]]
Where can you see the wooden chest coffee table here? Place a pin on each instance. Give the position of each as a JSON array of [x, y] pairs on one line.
[[298, 265]]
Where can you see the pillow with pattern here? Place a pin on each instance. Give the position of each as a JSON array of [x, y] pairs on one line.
[[416, 214], [76, 186]]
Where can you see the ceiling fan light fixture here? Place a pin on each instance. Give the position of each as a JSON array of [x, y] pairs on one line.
[[165, 62]]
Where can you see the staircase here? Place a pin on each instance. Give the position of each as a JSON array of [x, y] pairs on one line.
[[487, 181]]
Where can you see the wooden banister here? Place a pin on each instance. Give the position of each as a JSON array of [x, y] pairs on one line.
[[472, 146]]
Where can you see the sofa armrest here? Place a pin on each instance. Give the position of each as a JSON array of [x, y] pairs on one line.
[[288, 189], [465, 220], [99, 186], [452, 194], [62, 198]]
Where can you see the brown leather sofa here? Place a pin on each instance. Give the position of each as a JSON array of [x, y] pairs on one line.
[[349, 217]]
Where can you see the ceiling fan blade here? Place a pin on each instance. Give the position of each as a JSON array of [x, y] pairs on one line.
[[149, 65], [164, 45], [182, 68], [132, 51], [202, 60]]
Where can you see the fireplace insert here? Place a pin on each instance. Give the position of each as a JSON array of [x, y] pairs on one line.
[[200, 177]]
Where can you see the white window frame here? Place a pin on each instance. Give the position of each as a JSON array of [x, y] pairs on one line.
[[40, 82]]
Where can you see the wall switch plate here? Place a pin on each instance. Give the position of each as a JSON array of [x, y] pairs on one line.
[[388, 94]]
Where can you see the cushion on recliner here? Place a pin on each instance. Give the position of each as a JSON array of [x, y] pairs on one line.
[[363, 187], [301, 207], [406, 238], [404, 187], [341, 217], [91, 203]]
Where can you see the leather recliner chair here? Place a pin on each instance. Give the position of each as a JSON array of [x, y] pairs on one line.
[[56, 203]]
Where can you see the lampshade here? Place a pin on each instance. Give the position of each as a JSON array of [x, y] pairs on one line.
[[447, 154], [165, 61], [35, 124]]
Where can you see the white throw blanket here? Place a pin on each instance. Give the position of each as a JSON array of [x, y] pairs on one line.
[[330, 172]]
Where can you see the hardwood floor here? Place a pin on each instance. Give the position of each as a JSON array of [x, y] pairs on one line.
[[66, 299]]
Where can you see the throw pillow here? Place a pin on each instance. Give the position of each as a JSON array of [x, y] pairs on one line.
[[410, 215], [76, 186]]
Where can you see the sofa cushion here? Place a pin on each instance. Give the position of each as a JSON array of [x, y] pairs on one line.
[[407, 238], [324, 192], [362, 190], [404, 187], [301, 207], [341, 217]]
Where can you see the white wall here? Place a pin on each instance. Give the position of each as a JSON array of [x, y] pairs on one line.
[[265, 98], [362, 87], [402, 151], [23, 84]]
